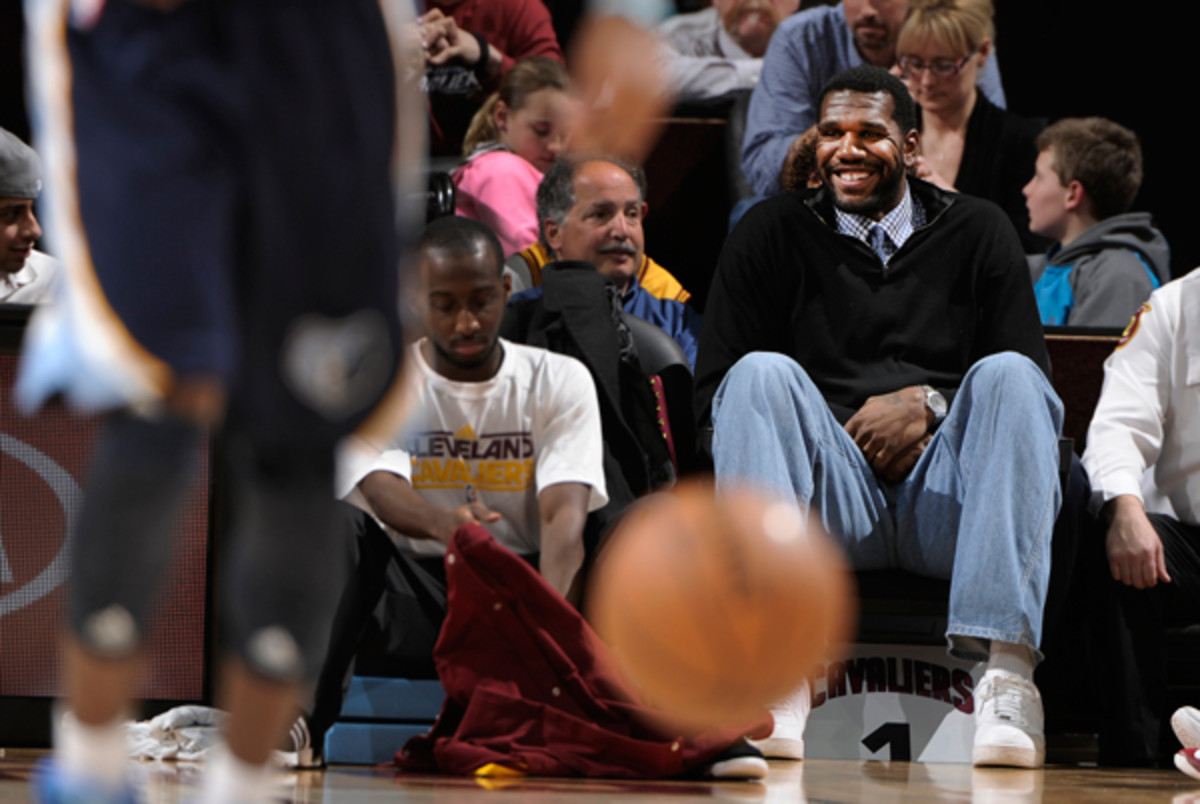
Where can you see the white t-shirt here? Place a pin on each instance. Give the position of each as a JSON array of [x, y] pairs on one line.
[[33, 283], [499, 442]]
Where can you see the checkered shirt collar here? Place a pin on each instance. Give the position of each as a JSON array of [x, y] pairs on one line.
[[899, 224]]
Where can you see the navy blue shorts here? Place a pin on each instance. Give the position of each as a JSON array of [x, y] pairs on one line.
[[234, 186]]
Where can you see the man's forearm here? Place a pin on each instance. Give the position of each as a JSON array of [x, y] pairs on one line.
[[563, 512], [401, 508], [561, 560]]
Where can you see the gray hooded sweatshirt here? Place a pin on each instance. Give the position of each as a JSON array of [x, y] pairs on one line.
[[1104, 275]]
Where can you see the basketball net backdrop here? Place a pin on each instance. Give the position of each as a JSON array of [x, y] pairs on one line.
[[43, 467]]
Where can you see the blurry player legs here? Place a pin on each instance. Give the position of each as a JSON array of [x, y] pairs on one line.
[[239, 271]]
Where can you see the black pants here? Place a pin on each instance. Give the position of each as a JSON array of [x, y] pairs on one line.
[[390, 613], [388, 617], [1133, 627]]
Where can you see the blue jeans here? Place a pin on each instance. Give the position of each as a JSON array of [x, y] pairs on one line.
[[978, 508]]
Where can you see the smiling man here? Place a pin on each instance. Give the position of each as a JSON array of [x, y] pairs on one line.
[[26, 274], [807, 50], [873, 348]]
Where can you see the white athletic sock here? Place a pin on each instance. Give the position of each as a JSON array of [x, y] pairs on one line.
[[229, 779], [1011, 657], [92, 752]]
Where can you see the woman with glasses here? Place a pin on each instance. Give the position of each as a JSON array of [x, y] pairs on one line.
[[967, 143]]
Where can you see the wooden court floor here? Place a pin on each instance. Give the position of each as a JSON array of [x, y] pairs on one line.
[[815, 782]]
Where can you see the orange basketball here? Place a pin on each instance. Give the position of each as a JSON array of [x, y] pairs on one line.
[[717, 607]]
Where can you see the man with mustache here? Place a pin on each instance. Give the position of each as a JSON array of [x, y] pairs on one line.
[[719, 50], [809, 49], [26, 274], [591, 210], [873, 349]]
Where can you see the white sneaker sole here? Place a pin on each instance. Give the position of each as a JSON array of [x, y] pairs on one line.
[[739, 768], [1186, 723], [780, 747], [1008, 756], [299, 760], [1185, 765]]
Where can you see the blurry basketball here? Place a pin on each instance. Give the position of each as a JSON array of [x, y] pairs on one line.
[[717, 607]]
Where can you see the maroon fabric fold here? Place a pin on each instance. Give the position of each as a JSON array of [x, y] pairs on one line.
[[530, 686]]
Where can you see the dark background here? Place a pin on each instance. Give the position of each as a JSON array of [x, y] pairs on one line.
[[1059, 58]]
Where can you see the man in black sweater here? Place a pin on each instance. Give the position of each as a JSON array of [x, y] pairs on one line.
[[873, 349]]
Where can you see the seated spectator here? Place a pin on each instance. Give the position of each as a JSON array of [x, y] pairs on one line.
[[968, 144], [1105, 259], [469, 46], [512, 141], [591, 210], [652, 277], [26, 274], [503, 435], [718, 50], [872, 349], [807, 50], [1143, 457]]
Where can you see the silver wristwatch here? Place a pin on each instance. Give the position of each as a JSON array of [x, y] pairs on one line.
[[936, 403]]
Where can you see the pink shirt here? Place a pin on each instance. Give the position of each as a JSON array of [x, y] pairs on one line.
[[499, 188]]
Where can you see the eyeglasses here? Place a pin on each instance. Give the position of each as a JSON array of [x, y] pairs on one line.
[[941, 68]]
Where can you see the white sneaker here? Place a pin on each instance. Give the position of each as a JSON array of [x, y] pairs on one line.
[[740, 761], [1186, 723], [300, 754], [791, 716], [1187, 761], [1009, 727]]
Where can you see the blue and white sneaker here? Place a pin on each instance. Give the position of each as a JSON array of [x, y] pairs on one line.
[[52, 785]]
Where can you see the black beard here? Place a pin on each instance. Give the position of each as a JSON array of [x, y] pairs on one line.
[[458, 362], [883, 200]]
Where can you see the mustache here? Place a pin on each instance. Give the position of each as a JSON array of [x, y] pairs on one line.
[[872, 21], [617, 248], [758, 6], [456, 342]]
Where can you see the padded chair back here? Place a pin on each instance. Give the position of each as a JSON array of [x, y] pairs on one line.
[[656, 349], [664, 361]]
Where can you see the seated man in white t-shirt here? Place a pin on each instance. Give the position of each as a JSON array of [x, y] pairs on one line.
[[504, 435]]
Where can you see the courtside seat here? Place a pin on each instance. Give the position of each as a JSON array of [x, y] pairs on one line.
[[378, 716]]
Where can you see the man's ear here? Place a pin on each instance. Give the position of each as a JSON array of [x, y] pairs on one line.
[[506, 278], [645, 210], [912, 147], [1077, 197], [553, 232]]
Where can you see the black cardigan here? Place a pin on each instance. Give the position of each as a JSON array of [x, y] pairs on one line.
[[788, 282]]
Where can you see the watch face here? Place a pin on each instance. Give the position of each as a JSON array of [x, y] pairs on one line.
[[935, 401]]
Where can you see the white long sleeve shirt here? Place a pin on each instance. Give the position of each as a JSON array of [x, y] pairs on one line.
[[1147, 423], [701, 60]]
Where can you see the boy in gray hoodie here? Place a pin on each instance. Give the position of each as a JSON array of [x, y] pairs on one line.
[[1105, 260]]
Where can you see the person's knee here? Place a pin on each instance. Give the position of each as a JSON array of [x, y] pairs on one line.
[[141, 472], [1015, 380], [1004, 367], [289, 561], [764, 376]]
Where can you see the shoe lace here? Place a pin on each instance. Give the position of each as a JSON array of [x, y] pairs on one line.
[[1008, 700]]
